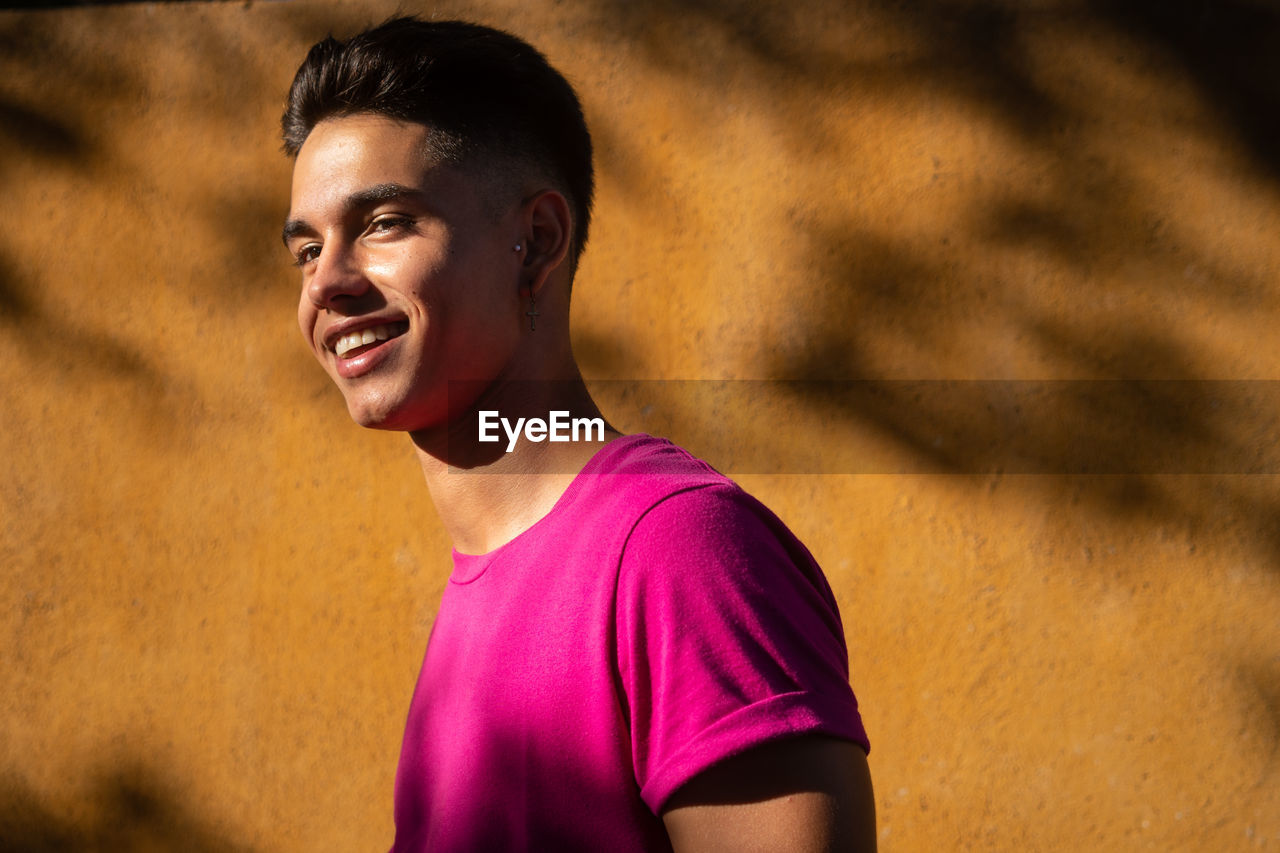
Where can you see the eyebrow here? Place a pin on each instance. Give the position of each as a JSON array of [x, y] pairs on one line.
[[367, 197]]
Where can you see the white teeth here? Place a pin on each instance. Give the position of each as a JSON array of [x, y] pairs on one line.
[[364, 337]]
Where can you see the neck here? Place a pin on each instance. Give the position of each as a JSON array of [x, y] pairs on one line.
[[489, 492]]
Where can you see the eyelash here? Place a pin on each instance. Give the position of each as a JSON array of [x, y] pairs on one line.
[[392, 221], [304, 256], [301, 259]]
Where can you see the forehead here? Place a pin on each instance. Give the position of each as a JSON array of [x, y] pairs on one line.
[[342, 156]]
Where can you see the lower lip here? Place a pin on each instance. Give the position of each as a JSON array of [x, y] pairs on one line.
[[351, 368]]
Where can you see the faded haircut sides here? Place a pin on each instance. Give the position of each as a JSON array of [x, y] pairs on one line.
[[493, 101]]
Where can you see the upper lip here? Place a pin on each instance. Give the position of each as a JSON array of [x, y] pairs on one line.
[[356, 324]]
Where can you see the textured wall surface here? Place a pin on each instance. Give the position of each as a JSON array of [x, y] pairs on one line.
[[1060, 601]]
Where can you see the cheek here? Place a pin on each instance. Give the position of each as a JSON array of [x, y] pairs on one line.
[[307, 321]]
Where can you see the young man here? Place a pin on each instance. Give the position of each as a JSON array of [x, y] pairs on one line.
[[632, 654]]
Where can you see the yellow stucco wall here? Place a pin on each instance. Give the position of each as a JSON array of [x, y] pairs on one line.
[[217, 590]]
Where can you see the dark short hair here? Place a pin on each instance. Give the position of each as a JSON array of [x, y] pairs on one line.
[[491, 99]]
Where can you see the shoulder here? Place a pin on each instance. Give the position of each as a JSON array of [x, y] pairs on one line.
[[717, 533], [716, 558], [728, 637], [632, 478], [648, 457], [674, 494]]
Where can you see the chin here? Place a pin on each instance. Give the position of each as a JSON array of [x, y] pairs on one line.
[[380, 412], [376, 413], [368, 420], [375, 419]]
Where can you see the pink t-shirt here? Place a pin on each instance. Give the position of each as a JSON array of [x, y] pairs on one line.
[[658, 620]]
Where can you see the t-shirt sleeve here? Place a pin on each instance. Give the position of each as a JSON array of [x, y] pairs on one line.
[[728, 638]]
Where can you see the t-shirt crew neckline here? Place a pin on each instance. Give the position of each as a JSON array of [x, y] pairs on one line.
[[468, 568]]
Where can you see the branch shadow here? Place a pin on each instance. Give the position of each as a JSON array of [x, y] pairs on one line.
[[42, 130], [69, 4], [60, 346], [973, 51], [42, 134], [892, 304], [1125, 443], [129, 810], [1229, 48]]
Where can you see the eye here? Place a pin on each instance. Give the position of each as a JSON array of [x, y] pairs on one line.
[[390, 223], [306, 254]]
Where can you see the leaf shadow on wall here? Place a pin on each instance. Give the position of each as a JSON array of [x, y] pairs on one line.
[[235, 219], [1085, 219], [975, 51], [131, 810], [41, 136], [1195, 452]]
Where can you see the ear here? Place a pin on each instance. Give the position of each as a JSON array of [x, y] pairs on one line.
[[549, 230]]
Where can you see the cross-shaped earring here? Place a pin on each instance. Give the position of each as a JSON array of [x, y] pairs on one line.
[[532, 313]]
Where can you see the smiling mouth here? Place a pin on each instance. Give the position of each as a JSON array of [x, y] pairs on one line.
[[353, 344]]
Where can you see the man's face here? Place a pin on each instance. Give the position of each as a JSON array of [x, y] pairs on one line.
[[408, 276]]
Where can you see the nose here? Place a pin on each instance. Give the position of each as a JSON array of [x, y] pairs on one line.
[[337, 276]]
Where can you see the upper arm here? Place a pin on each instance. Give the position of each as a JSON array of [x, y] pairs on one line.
[[804, 794]]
